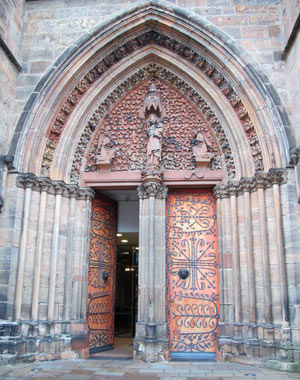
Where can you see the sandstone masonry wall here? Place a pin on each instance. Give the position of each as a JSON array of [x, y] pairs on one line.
[[11, 26]]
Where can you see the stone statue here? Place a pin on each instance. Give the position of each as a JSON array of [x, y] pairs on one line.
[[154, 131], [200, 144], [107, 151]]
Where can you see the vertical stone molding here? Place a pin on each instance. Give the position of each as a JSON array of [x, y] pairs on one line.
[[233, 191], [260, 183], [253, 332], [27, 182], [88, 196], [276, 180], [151, 333], [44, 184], [58, 188], [246, 186], [68, 268]]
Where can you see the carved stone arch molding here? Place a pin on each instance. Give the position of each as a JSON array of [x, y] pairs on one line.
[[177, 152], [96, 61]]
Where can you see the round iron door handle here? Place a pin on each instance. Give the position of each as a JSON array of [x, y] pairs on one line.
[[183, 274], [105, 275]]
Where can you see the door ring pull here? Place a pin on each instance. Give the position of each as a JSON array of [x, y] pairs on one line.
[[183, 274]]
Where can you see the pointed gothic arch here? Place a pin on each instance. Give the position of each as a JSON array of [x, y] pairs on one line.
[[53, 139], [207, 60]]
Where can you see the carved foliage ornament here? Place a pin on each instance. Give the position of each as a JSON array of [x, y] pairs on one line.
[[258, 181], [152, 189], [123, 51], [29, 180]]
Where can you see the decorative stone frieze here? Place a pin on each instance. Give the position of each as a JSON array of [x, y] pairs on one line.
[[152, 189], [177, 47], [259, 181], [53, 187], [174, 151]]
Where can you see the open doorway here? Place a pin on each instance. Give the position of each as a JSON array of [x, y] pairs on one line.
[[116, 312]]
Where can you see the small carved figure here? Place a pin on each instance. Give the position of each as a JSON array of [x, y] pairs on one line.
[[200, 146], [107, 151], [154, 146]]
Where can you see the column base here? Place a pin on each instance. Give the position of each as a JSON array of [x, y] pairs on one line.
[[151, 343]]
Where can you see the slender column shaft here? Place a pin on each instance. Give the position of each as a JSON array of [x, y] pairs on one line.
[[160, 261], [250, 258], [85, 258], [265, 256], [151, 256], [22, 254], [38, 257], [68, 268], [280, 250], [236, 260], [141, 266], [54, 253], [220, 218]]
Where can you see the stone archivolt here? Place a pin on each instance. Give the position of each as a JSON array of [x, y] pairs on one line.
[[129, 131], [124, 50]]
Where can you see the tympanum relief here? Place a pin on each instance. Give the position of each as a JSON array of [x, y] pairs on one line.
[[153, 129]]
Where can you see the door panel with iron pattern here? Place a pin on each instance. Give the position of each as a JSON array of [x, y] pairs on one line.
[[101, 277], [192, 272]]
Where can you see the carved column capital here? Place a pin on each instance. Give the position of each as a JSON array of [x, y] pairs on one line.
[[44, 183], [277, 176], [246, 185], [294, 156], [59, 187], [233, 188], [28, 180], [220, 191], [152, 189], [72, 191], [86, 193]]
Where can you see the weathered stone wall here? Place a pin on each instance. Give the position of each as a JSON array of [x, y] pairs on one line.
[[11, 26]]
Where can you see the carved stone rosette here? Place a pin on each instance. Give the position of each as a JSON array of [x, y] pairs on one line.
[[258, 181], [152, 189]]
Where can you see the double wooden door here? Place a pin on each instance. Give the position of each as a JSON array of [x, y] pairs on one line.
[[192, 273]]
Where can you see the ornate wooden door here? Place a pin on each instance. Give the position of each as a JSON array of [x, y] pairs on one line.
[[192, 273], [101, 278]]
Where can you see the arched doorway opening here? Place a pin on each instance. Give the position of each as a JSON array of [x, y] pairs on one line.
[[91, 135]]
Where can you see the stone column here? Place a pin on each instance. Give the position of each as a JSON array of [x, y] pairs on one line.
[[246, 186], [27, 181], [233, 189], [219, 193], [260, 183], [73, 189], [276, 179], [151, 342], [89, 195], [54, 252], [44, 184]]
